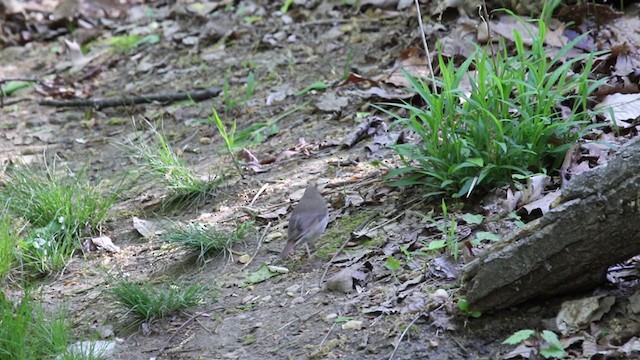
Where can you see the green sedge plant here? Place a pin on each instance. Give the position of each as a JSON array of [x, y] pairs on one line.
[[506, 127]]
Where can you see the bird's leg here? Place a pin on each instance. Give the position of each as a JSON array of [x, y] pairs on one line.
[[306, 244]]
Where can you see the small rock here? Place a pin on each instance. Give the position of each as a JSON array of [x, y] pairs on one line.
[[314, 290], [298, 300], [292, 290], [440, 295], [278, 269], [243, 259], [330, 317], [352, 325]]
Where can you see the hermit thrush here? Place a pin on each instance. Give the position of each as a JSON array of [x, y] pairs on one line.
[[308, 220]]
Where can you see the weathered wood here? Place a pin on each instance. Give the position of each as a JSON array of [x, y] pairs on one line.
[[570, 248]]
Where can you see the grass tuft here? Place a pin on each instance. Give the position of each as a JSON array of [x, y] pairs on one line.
[[59, 208], [149, 303], [165, 165], [8, 243], [205, 239], [28, 333]]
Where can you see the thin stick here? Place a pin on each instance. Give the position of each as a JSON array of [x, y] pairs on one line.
[[262, 189], [166, 345], [426, 47], [326, 336], [264, 235], [395, 348]]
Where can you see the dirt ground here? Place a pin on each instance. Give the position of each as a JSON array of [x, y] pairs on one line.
[[286, 316]]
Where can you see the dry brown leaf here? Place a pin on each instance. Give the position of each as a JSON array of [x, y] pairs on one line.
[[624, 107]]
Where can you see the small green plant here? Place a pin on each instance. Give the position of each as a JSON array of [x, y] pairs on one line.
[[126, 43], [318, 85], [447, 227], [463, 305], [285, 6], [149, 303], [392, 264], [27, 332], [42, 198], [546, 342], [165, 165], [47, 249], [506, 127], [205, 239], [229, 138], [233, 101], [13, 86]]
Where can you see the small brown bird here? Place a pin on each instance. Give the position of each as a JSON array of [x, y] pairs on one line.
[[308, 220]]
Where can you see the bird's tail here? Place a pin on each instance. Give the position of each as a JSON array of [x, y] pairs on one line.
[[287, 249]]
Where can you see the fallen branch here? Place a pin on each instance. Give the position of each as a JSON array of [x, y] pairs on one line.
[[571, 247], [134, 100]]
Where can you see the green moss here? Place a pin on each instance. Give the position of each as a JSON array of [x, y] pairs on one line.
[[116, 121], [335, 235]]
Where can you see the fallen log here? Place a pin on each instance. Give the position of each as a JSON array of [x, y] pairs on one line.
[[568, 249]]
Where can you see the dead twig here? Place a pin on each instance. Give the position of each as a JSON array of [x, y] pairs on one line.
[[395, 347], [262, 189], [326, 336], [189, 320], [260, 239], [426, 48], [464, 349]]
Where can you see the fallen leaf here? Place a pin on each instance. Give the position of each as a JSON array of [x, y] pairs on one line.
[[147, 229]]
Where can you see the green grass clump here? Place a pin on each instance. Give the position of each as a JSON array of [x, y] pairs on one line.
[[148, 303], [508, 126], [205, 239], [8, 243], [167, 167], [28, 333], [59, 209]]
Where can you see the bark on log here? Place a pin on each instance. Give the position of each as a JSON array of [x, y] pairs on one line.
[[570, 248]]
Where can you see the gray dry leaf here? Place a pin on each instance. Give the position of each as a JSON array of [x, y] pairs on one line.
[[414, 303], [634, 302], [105, 243], [344, 281], [625, 107], [544, 204], [522, 351], [282, 211], [578, 314], [330, 102], [146, 228], [535, 188], [251, 162]]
